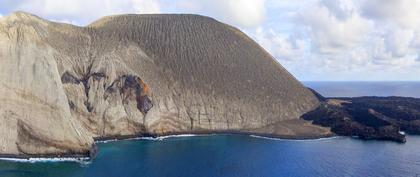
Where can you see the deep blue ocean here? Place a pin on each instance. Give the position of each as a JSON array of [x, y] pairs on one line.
[[243, 156]]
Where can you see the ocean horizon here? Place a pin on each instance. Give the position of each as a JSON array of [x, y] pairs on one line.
[[365, 88]]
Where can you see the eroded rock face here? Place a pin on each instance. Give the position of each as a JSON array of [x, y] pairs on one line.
[[63, 85], [115, 108]]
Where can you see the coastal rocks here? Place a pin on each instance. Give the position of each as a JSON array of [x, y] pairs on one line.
[[369, 117], [61, 86]]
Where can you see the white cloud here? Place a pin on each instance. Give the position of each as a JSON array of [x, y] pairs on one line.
[[334, 31], [404, 12], [336, 39], [84, 11], [398, 42], [342, 9], [398, 23], [146, 6], [282, 46], [247, 13]]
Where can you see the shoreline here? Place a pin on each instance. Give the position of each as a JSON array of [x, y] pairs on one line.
[[255, 135], [88, 156], [268, 135], [44, 157]]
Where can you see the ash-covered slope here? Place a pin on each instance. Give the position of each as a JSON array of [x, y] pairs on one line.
[[62, 85]]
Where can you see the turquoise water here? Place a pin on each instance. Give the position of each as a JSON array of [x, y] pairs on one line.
[[235, 155], [242, 156]]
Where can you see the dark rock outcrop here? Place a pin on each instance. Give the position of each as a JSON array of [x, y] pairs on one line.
[[369, 117]]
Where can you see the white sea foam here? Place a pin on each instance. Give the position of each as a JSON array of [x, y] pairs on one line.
[[160, 138], [35, 160], [282, 139], [106, 141], [176, 136]]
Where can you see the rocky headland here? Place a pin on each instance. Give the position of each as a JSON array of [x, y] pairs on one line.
[[381, 118]]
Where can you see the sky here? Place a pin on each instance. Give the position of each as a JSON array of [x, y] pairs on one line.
[[330, 40]]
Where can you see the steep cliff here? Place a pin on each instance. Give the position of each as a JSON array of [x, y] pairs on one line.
[[63, 85]]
